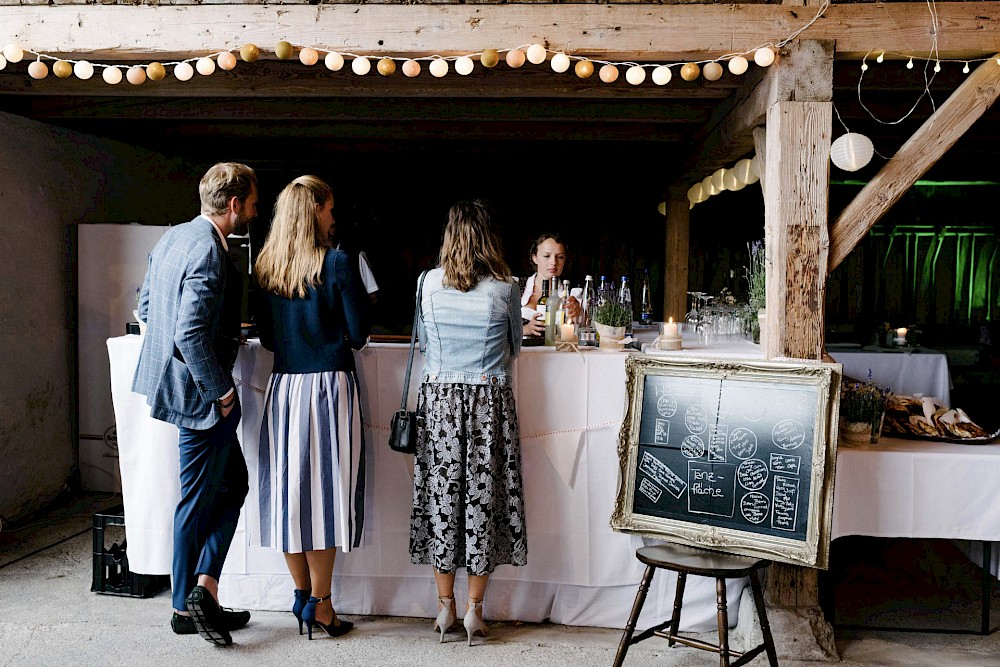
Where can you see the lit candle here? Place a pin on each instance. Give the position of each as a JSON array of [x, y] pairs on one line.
[[569, 332], [670, 329], [901, 332]]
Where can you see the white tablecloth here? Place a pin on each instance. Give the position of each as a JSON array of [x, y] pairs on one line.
[[904, 372], [579, 571], [918, 488]]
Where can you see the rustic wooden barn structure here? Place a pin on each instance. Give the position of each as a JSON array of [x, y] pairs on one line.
[[681, 132]]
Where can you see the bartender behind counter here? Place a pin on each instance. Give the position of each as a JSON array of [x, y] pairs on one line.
[[548, 254]]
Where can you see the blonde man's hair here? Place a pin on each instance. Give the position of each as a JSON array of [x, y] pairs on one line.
[[222, 182], [291, 260], [470, 250]]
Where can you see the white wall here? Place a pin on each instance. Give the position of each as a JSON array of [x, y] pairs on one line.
[[50, 180]]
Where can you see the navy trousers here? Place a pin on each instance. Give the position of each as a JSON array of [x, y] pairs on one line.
[[213, 487]]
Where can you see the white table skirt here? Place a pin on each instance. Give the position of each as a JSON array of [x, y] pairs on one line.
[[903, 372], [579, 571]]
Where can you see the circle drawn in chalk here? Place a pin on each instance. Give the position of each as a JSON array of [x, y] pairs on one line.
[[753, 411], [666, 405], [752, 474], [742, 443], [788, 434], [754, 507], [695, 419], [693, 447]]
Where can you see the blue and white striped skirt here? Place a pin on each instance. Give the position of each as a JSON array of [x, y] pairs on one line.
[[311, 465]]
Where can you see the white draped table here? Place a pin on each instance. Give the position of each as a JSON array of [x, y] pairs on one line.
[[923, 489], [579, 571], [903, 370]]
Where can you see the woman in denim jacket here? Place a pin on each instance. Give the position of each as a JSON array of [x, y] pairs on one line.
[[468, 498]]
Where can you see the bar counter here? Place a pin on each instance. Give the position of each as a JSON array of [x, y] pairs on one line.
[[579, 571]]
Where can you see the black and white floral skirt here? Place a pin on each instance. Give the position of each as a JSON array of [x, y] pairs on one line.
[[468, 493]]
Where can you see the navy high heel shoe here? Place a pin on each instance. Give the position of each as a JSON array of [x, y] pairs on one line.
[[334, 629], [301, 597]]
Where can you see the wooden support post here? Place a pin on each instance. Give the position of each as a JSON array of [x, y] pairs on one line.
[[796, 208], [676, 252]]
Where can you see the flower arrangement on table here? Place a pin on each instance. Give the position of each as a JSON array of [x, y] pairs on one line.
[[862, 409]]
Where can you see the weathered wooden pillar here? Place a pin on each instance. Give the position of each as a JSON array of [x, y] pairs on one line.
[[676, 252]]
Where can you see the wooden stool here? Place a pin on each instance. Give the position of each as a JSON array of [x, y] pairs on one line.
[[687, 560]]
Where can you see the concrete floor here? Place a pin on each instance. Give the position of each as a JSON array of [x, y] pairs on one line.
[[49, 616]]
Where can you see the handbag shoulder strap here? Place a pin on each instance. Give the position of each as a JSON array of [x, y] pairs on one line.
[[413, 340]]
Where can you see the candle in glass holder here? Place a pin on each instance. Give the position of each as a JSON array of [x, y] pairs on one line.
[[901, 336], [569, 332], [670, 336]]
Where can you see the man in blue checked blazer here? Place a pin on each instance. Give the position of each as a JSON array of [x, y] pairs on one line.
[[190, 301]]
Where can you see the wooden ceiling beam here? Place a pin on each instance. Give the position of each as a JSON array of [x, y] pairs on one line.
[[675, 32], [920, 152], [805, 74]]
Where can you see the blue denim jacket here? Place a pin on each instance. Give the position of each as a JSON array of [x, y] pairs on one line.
[[469, 337]]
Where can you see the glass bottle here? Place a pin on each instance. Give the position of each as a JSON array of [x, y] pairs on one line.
[[646, 307], [585, 322], [602, 291], [552, 328], [625, 299], [543, 303]]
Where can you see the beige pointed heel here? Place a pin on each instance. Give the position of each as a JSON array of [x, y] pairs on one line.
[[474, 621], [446, 616]]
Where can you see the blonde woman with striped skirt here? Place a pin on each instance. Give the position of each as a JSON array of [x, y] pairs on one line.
[[311, 458]]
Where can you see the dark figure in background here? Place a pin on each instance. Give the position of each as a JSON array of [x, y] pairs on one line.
[[468, 498], [311, 465], [190, 301]]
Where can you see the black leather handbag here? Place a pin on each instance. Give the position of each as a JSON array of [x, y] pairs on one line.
[[403, 428]]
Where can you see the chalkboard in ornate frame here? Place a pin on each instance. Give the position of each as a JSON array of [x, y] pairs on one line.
[[737, 456]]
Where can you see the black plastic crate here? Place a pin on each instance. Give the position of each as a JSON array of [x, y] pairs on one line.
[[111, 573]]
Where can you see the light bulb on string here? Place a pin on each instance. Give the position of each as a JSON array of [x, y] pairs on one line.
[[361, 66], [965, 70], [881, 57], [333, 61], [864, 67], [738, 65], [909, 63], [635, 75], [937, 66], [183, 71], [83, 70], [112, 75], [464, 65], [661, 75]]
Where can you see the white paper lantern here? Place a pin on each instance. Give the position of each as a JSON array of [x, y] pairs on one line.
[[635, 75], [731, 182], [560, 63], [83, 70], [741, 171], [112, 75], [852, 151], [205, 66], [38, 70], [712, 71], [13, 52], [755, 167], [696, 194], [438, 67], [661, 208], [307, 56], [738, 65], [718, 179], [3, 62], [763, 56], [661, 75], [333, 61], [707, 187], [464, 65], [361, 66], [183, 71], [536, 54]]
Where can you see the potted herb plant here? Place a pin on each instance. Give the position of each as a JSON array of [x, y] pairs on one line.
[[756, 277], [611, 318], [862, 410]]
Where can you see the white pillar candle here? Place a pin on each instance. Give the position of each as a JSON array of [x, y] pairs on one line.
[[569, 332]]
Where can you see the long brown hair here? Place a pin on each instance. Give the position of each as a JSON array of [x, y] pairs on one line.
[[291, 259], [470, 250]]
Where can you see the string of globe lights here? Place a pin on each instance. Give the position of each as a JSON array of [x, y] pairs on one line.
[[361, 65], [438, 66]]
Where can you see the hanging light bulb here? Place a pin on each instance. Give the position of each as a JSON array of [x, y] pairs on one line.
[[864, 67], [965, 70], [880, 58], [851, 151], [937, 66], [909, 63]]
